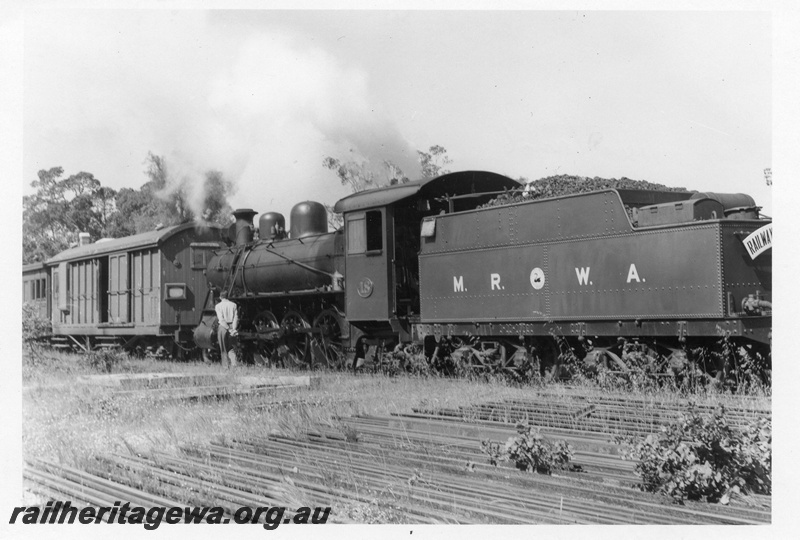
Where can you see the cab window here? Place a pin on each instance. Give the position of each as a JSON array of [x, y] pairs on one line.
[[364, 232]]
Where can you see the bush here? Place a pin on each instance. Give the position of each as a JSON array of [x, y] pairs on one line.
[[530, 451], [105, 360], [35, 328], [704, 458]]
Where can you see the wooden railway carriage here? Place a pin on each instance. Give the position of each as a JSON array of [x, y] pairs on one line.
[[36, 287], [144, 290]]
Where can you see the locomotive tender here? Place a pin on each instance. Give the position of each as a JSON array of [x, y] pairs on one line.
[[424, 262]]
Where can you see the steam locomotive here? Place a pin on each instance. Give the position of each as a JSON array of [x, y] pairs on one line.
[[431, 263]]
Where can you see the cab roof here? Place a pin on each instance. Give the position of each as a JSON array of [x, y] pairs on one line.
[[457, 183]]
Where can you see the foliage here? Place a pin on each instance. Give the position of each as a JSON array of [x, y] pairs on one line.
[[62, 207], [35, 329], [361, 176], [164, 200], [105, 360], [529, 451], [434, 161], [740, 368], [405, 358], [704, 458]]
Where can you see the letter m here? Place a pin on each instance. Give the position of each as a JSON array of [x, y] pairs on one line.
[[458, 284], [583, 275]]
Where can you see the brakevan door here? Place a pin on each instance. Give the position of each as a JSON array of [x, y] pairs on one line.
[[118, 290], [145, 274], [83, 292]]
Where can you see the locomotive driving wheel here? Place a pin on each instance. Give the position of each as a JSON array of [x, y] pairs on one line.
[[265, 350], [294, 346], [264, 321], [326, 341]]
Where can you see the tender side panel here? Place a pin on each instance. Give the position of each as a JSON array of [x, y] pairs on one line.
[[581, 216], [653, 274]]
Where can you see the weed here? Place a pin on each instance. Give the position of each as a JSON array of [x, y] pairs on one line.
[[704, 458], [372, 513], [105, 360], [529, 451], [35, 327]]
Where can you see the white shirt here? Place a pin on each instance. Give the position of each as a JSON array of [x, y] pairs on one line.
[[227, 315]]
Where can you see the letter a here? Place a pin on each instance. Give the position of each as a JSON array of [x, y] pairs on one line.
[[633, 274]]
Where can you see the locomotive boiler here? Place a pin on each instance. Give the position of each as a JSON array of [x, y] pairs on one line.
[[282, 283]]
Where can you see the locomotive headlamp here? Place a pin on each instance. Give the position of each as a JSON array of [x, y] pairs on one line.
[[428, 229]]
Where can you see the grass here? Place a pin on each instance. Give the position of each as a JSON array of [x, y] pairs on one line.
[[70, 420]]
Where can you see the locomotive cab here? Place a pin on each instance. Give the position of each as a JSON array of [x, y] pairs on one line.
[[382, 237]]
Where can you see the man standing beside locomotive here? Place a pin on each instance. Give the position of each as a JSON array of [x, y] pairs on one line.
[[228, 320]]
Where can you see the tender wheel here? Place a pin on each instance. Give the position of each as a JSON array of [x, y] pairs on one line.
[[483, 357], [294, 346], [326, 341], [546, 352]]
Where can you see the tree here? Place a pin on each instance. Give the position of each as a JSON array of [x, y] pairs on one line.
[[360, 176], [215, 198], [60, 209], [168, 205], [164, 200], [434, 161]]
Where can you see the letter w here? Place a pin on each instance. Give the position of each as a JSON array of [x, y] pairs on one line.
[[583, 275], [194, 515]]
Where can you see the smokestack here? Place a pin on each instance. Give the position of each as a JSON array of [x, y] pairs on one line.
[[244, 225], [84, 238]]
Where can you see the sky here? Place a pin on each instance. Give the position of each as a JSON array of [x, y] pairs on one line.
[[678, 98]]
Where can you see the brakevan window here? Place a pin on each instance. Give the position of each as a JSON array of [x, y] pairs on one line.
[[35, 289], [364, 232]]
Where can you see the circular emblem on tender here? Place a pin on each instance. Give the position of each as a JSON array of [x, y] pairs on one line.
[[365, 287], [537, 278]]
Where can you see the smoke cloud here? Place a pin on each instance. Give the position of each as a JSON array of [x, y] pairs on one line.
[[290, 106], [264, 109]]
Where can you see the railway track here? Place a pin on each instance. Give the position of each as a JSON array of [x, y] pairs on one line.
[[421, 467], [596, 414]]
